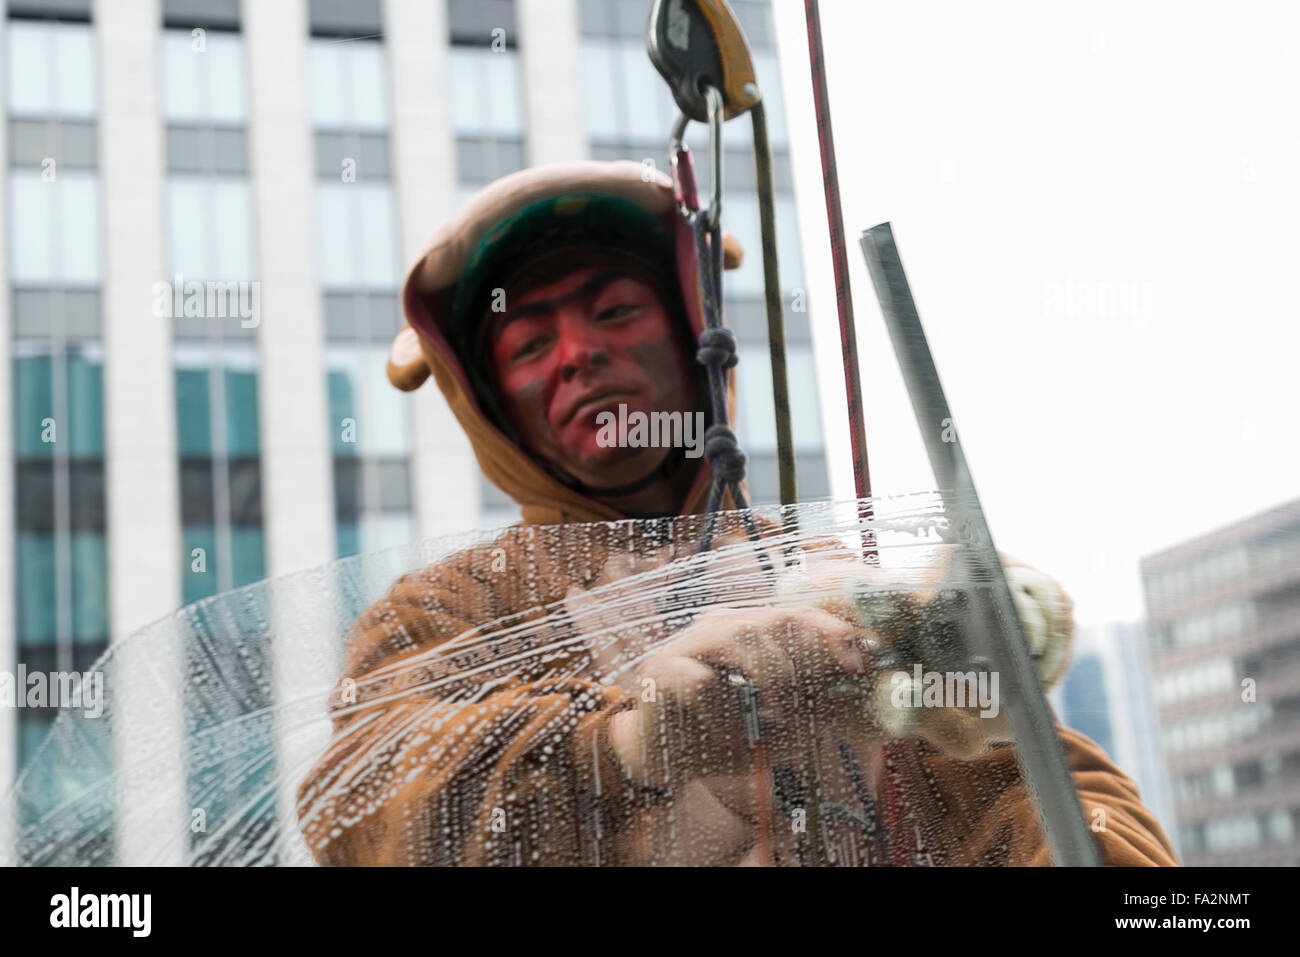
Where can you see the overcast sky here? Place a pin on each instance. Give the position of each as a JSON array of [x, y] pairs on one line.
[[1098, 207]]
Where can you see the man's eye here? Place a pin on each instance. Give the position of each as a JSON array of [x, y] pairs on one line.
[[531, 346], [618, 312]]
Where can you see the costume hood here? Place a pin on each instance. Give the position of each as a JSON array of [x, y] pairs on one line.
[[423, 347]]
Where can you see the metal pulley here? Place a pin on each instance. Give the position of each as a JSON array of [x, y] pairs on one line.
[[696, 44]]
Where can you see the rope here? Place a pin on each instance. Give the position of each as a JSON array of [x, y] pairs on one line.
[[895, 803]]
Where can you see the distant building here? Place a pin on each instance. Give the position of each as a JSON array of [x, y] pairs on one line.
[[1086, 701], [1106, 695], [1223, 613]]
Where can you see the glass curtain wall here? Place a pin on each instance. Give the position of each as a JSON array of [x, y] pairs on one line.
[[55, 273], [487, 108], [369, 424], [210, 239]]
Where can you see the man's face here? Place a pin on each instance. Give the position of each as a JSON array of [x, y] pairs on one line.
[[591, 340]]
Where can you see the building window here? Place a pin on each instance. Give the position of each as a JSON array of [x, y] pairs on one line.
[[210, 228], [208, 14], [51, 69], [209, 232], [54, 229], [625, 100], [486, 93], [220, 462], [54, 263], [349, 85], [357, 253], [346, 18], [204, 103], [203, 78], [371, 441], [482, 22], [487, 106], [356, 236]]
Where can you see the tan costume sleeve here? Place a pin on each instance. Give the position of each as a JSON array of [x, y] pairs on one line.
[[985, 814], [422, 770]]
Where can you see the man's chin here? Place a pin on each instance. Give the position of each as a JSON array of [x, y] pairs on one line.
[[614, 468]]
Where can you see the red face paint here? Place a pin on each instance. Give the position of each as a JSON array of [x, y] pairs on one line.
[[566, 351]]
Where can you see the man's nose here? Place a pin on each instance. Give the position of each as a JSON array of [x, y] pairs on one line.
[[582, 348]]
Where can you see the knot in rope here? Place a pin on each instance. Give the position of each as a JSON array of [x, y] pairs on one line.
[[723, 453], [717, 349]]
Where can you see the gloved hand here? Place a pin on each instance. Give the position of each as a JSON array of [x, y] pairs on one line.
[[920, 624]]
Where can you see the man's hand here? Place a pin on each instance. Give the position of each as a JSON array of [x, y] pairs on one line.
[[702, 691]]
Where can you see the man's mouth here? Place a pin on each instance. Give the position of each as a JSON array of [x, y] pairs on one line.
[[591, 403]]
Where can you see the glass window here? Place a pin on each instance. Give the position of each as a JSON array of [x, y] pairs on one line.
[[392, 482], [54, 229], [33, 402], [187, 240], [51, 69], [54, 784], [37, 599], [624, 98], [755, 21], [89, 593], [83, 426], [210, 229], [196, 584], [247, 549], [359, 389], [244, 491], [71, 313], [362, 317], [220, 468], [193, 414], [349, 84], [241, 413], [85, 384], [378, 532], [473, 21], [72, 143], [356, 236], [647, 109], [343, 406], [347, 539], [206, 150], [203, 82], [600, 94], [485, 93], [210, 14], [757, 417], [369, 153], [740, 218]]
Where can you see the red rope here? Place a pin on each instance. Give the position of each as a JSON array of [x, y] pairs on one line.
[[894, 801]]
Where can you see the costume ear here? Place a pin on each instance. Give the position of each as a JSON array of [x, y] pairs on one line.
[[732, 252], [406, 366]]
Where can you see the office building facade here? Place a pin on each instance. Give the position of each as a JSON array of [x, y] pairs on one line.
[[1223, 616]]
